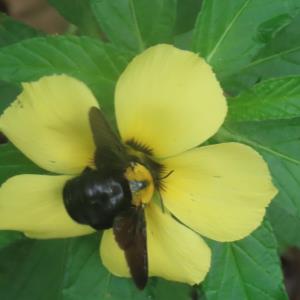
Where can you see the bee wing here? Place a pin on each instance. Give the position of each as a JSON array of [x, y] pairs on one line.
[[110, 152], [130, 233]]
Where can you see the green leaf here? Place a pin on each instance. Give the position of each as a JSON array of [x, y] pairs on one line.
[[246, 270], [285, 224], [79, 13], [70, 269], [160, 289], [268, 100], [97, 64], [294, 5], [184, 41], [187, 12], [36, 270], [8, 93], [280, 57], [13, 162], [12, 31], [228, 33], [136, 24], [9, 237], [279, 143]]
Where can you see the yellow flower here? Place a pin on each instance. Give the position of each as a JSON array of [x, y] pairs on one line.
[[170, 101]]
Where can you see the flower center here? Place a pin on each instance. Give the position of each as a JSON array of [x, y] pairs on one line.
[[141, 184]]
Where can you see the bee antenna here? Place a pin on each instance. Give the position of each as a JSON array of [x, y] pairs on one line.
[[167, 175]]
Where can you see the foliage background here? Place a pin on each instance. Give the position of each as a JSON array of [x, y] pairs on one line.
[[254, 48]]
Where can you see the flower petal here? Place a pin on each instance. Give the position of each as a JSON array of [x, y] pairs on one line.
[[174, 251], [168, 100], [33, 204], [112, 256], [220, 191], [49, 123]]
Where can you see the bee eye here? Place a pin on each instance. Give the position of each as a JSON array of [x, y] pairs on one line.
[[136, 186]]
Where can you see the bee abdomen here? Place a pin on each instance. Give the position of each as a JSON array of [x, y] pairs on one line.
[[94, 200]]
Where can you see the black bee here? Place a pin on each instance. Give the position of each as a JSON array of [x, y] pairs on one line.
[[104, 197]]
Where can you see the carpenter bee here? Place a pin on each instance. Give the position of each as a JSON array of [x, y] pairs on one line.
[[111, 195]]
